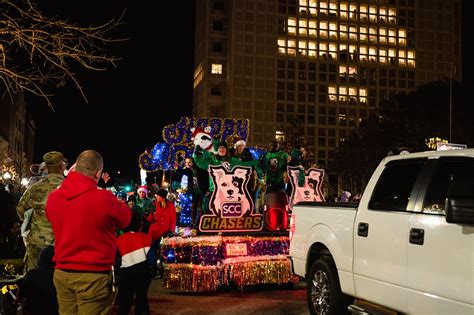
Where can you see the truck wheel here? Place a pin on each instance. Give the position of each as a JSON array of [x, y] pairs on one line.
[[324, 291]]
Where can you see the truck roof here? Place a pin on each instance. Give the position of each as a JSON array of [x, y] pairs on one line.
[[431, 154]]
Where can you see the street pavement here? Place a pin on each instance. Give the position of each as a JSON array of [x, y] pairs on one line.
[[261, 299]]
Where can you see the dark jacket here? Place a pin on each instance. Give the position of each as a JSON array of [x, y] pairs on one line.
[[37, 287]]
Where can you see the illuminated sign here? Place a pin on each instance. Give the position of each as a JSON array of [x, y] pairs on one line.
[[230, 203], [236, 249], [311, 189]]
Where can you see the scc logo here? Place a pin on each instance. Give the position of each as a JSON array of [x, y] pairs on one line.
[[231, 210]]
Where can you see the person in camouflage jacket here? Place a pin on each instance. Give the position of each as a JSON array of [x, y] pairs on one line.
[[41, 234]]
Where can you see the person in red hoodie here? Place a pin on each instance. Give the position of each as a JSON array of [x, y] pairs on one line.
[[163, 222], [84, 219]]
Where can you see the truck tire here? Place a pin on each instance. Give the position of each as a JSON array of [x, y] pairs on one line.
[[324, 291]]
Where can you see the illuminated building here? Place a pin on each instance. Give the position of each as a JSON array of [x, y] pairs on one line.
[[324, 64]]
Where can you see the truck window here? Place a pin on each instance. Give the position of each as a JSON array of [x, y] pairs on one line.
[[449, 173], [395, 185]]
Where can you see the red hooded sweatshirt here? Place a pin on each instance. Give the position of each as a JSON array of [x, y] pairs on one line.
[[84, 218]]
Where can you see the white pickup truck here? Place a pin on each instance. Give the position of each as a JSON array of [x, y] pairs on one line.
[[408, 246]]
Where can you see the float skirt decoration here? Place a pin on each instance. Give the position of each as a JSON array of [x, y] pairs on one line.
[[197, 264]]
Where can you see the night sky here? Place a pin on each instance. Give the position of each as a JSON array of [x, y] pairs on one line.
[[127, 107]]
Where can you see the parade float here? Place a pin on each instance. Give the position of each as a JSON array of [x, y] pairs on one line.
[[233, 244]]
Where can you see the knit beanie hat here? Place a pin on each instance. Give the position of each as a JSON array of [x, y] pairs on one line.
[[162, 193]]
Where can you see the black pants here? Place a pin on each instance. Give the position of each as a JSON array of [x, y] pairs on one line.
[[134, 281]]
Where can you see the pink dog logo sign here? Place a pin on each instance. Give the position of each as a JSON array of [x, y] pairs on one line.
[[231, 204], [310, 190]]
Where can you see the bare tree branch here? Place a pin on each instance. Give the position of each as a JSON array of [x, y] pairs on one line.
[[38, 52]]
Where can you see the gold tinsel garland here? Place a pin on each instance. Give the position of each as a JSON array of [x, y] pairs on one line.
[[197, 278]]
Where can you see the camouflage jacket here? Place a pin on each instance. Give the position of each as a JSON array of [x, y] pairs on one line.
[[35, 198]]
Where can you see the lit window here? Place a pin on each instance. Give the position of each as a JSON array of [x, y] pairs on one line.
[[332, 89], [312, 7], [312, 49], [323, 8], [279, 135], [401, 54], [363, 13], [333, 9], [342, 69], [323, 47], [363, 33], [292, 26], [312, 27], [353, 11], [352, 71], [363, 92], [342, 119], [302, 47], [411, 58], [352, 91], [392, 13], [291, 47], [343, 10], [373, 34], [391, 53], [383, 56], [216, 68], [343, 31], [353, 33], [383, 11], [282, 46], [303, 24]]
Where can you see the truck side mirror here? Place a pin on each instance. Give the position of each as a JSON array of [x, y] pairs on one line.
[[459, 204]]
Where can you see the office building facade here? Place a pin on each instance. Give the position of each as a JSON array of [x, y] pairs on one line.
[[319, 65]]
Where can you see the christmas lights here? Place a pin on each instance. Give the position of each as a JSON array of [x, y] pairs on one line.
[[205, 263]]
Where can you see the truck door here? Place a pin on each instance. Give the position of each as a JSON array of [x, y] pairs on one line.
[[381, 234], [440, 271]]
